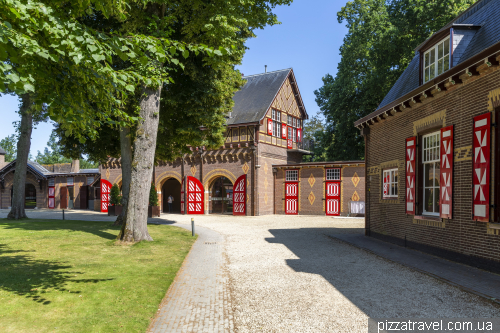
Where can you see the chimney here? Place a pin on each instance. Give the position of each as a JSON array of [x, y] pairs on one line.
[[75, 166], [265, 68], [2, 160]]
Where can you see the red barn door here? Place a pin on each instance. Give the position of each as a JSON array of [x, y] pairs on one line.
[[291, 198], [105, 191], [239, 196], [333, 198], [194, 196]]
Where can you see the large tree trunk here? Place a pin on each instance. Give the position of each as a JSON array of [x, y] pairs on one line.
[[126, 163], [135, 219], [23, 149]]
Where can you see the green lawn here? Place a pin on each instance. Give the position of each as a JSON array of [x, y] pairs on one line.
[[69, 276]]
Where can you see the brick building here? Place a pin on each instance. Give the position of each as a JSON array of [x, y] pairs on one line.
[[264, 129], [431, 146], [63, 186]]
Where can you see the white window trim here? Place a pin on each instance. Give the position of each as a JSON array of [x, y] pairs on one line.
[[435, 47], [292, 175], [328, 178], [391, 181], [424, 151]]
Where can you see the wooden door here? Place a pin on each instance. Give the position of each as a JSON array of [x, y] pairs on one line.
[[239, 196], [83, 197], [195, 195], [64, 198], [333, 198], [291, 198]]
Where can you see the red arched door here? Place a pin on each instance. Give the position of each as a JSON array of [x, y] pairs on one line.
[[195, 196], [239, 196], [105, 191]]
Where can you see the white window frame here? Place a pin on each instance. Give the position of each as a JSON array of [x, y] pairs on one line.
[[289, 136], [276, 116], [52, 182], [70, 181], [333, 174], [294, 135], [90, 180], [431, 155], [390, 178], [292, 175], [435, 50]]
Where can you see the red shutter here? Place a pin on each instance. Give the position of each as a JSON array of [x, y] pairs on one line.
[[299, 135], [291, 198], [283, 131], [195, 196], [269, 126], [446, 170], [105, 193], [411, 145], [52, 198], [239, 196], [290, 144], [332, 198], [481, 168]]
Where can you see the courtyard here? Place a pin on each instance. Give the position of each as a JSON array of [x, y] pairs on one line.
[[285, 274]]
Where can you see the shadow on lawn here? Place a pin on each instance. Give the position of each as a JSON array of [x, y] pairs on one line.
[[92, 227], [33, 278]]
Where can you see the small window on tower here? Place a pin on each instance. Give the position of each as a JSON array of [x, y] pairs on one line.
[[292, 175]]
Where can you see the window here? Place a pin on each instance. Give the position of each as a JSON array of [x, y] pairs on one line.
[[51, 182], [294, 122], [69, 181], [276, 123], [289, 133], [437, 60], [90, 180], [430, 161], [294, 135], [333, 174], [390, 183], [289, 121], [292, 175]]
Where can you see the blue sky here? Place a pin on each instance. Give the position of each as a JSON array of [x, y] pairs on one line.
[[308, 40]]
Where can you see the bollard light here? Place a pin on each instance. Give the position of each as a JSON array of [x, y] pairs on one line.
[[192, 226]]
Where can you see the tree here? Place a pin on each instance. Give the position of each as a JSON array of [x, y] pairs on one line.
[[314, 130], [8, 144], [153, 196], [114, 195], [376, 50]]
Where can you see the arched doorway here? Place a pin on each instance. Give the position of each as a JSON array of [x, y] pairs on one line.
[[171, 187], [29, 196], [221, 196]]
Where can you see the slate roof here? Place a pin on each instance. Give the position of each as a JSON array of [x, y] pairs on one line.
[[2, 152], [40, 172], [253, 100], [484, 13]]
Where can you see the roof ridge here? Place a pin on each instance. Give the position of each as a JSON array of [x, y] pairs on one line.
[[281, 70]]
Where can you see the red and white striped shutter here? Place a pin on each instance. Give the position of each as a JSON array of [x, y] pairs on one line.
[[269, 126], [239, 196], [290, 144], [481, 167], [411, 152], [284, 131], [446, 170], [386, 184], [52, 192], [195, 196], [105, 193], [291, 198], [299, 135], [332, 198]]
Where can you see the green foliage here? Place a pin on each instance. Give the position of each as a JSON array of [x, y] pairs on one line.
[[115, 197], [377, 49], [314, 129], [9, 144], [153, 196], [60, 265]]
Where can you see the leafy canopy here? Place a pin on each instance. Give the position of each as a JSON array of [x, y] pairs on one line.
[[377, 49]]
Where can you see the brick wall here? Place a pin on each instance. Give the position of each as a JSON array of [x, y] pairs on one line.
[[41, 194], [460, 238], [312, 188]]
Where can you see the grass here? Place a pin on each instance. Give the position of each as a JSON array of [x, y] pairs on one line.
[[69, 276]]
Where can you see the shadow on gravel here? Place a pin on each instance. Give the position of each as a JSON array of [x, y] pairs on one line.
[[376, 287], [26, 276]]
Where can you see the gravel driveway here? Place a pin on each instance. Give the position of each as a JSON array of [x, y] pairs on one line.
[[286, 275]]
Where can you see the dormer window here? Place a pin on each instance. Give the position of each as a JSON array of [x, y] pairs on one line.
[[437, 60]]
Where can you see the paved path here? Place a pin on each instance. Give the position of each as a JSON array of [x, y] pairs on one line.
[[199, 298], [468, 278]]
